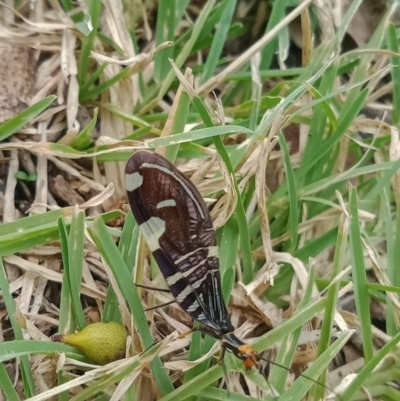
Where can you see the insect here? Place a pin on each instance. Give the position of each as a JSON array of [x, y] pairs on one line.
[[177, 227]]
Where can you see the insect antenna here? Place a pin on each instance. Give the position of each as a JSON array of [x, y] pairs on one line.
[[292, 371]]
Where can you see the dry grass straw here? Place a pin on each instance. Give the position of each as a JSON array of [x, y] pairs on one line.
[[48, 30]]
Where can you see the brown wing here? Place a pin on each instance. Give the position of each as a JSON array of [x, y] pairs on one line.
[[178, 230]]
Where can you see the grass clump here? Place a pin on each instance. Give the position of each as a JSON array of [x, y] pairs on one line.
[[299, 164]]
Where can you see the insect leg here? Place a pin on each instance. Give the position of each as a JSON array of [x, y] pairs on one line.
[[146, 287], [221, 355], [160, 306]]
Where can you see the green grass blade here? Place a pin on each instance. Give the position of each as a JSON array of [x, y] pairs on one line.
[[391, 325], [67, 323], [76, 240], [218, 394], [321, 113], [19, 348], [327, 323], [11, 126], [219, 39], [165, 31], [347, 19], [294, 217], [346, 119], [7, 386], [196, 135], [194, 353], [192, 387], [228, 247], [368, 368], [28, 238], [128, 244], [131, 118], [240, 215], [94, 9], [392, 44], [393, 251], [185, 52], [240, 212], [288, 347], [276, 15], [359, 277], [92, 94], [26, 372], [277, 333], [178, 123], [300, 387], [84, 139], [93, 78]]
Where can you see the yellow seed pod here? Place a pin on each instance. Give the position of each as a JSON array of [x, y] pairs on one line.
[[102, 342]]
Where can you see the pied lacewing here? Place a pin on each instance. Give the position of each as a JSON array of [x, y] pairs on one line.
[[177, 227]]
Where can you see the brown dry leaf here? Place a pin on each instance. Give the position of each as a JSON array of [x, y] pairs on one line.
[[18, 68], [137, 63], [99, 198], [201, 171], [299, 268], [62, 189], [50, 149], [123, 386], [267, 145], [226, 205], [261, 198], [369, 126], [271, 315], [42, 271], [166, 131]]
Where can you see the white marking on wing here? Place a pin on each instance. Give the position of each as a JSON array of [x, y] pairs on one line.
[[212, 251], [152, 230], [171, 280], [198, 283], [166, 203], [133, 181], [187, 273], [201, 297], [185, 187], [193, 236], [193, 307], [184, 294], [183, 257]]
